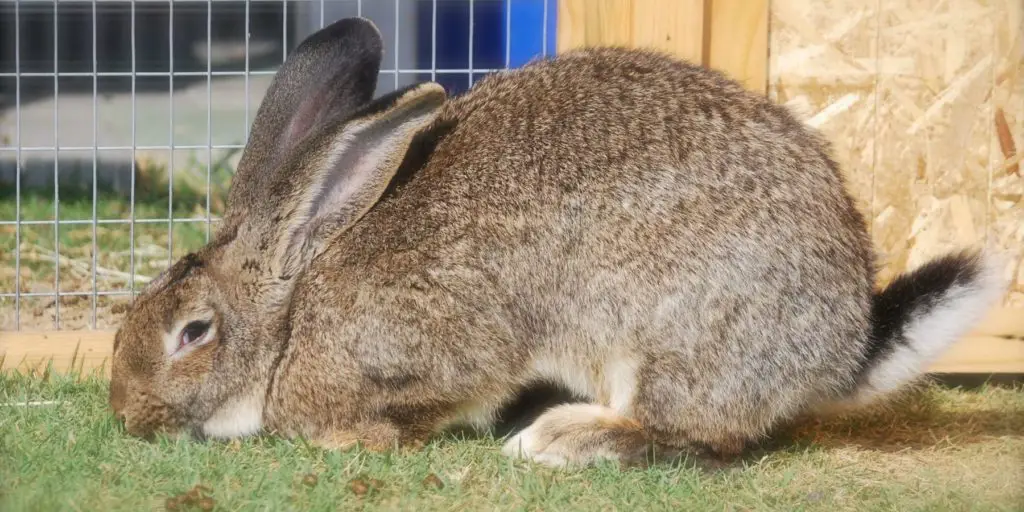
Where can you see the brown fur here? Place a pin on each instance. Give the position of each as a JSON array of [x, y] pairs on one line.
[[609, 205]]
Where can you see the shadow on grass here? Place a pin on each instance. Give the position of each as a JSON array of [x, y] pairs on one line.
[[920, 420]]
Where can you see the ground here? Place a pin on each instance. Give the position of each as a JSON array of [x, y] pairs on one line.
[[935, 449]]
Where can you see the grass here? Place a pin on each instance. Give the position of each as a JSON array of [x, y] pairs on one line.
[[938, 449], [116, 265]]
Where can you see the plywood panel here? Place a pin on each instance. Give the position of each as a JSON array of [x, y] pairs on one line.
[[823, 66], [1005, 215], [901, 187], [922, 100], [955, 111], [941, 131]]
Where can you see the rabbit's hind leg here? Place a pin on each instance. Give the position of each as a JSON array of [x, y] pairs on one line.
[[579, 435]]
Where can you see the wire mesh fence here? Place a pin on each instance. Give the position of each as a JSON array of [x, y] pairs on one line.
[[121, 123]]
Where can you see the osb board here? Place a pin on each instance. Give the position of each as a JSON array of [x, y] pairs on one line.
[[924, 103]]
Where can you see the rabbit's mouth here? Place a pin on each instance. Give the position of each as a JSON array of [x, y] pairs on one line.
[[166, 427], [147, 426], [147, 416]]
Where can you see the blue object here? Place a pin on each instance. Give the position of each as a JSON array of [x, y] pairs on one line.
[[527, 41], [525, 18]]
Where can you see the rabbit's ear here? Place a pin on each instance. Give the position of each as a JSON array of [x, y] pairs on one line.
[[330, 75], [341, 173]]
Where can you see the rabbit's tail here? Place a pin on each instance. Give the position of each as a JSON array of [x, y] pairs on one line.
[[920, 315]]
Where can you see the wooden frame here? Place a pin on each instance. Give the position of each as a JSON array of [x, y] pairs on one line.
[[995, 347]]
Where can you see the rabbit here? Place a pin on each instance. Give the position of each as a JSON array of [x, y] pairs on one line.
[[641, 231]]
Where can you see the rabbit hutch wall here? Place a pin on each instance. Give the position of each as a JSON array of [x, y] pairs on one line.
[[121, 123]]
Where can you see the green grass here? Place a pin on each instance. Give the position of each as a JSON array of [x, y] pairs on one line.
[[113, 241], [940, 449], [76, 240], [152, 201]]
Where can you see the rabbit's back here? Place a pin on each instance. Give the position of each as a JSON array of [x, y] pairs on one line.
[[620, 208]]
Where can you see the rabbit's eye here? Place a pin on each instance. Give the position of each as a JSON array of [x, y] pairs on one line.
[[193, 332]]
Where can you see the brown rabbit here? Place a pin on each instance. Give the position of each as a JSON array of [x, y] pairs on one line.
[[636, 229]]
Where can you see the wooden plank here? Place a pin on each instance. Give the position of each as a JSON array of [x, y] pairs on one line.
[[729, 35], [673, 26], [81, 351], [983, 355], [609, 22], [736, 41], [996, 346], [1006, 322], [593, 23]]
